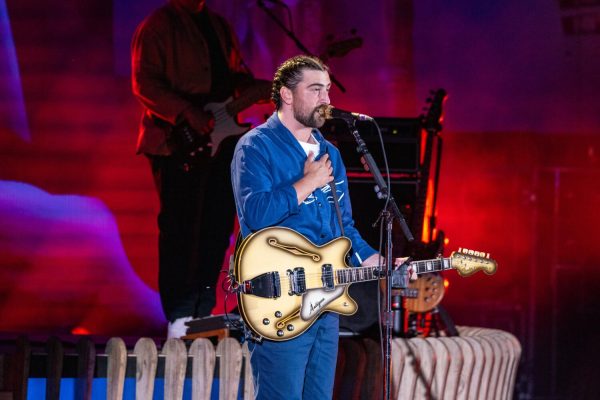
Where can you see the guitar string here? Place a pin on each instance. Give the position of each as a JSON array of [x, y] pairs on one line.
[[353, 275]]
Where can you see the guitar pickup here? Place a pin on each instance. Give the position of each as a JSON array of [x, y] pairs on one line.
[[327, 277], [264, 285], [297, 281]]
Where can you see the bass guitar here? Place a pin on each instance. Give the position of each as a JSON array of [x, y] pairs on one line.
[[284, 281], [187, 141]]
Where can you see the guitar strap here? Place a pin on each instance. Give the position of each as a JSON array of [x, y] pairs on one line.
[[336, 203], [338, 211], [238, 241]]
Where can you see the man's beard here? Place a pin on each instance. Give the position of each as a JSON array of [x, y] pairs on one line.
[[313, 119]]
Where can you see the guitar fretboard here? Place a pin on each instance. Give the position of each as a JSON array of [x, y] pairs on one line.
[[245, 100], [362, 274]]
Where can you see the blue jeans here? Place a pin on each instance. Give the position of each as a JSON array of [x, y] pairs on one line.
[[300, 368]]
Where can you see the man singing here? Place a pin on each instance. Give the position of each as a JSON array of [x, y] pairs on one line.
[[281, 175]]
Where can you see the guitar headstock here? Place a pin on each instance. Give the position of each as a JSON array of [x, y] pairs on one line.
[[467, 262], [432, 120], [341, 47]]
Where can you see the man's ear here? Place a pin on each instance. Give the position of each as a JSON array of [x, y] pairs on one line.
[[286, 95]]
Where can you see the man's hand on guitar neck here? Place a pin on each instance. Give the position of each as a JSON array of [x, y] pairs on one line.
[[376, 260], [412, 273], [199, 120]]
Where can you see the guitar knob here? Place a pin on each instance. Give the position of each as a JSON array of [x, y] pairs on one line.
[[280, 333], [290, 327], [266, 321], [278, 314]]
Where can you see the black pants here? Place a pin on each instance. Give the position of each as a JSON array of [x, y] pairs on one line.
[[195, 222]]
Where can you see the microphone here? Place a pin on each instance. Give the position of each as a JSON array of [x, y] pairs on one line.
[[349, 116]]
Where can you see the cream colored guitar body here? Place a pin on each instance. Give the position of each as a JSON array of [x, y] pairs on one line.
[[288, 316]]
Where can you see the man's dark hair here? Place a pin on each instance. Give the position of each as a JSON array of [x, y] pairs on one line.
[[289, 74]]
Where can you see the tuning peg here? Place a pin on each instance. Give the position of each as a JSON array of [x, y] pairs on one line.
[[474, 253]]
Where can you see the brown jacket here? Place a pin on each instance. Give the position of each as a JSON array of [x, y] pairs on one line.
[[170, 63]]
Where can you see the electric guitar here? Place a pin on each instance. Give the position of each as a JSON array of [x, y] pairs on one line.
[[187, 141], [429, 291], [284, 281]]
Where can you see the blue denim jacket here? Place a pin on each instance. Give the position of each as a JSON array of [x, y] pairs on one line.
[[267, 161]]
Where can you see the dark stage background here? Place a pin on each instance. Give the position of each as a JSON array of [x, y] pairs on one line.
[[520, 172]]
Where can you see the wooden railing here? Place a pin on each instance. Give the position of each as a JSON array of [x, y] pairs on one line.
[[201, 354], [479, 364]]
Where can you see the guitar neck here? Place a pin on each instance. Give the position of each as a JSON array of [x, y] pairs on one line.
[[435, 265], [245, 100], [362, 274]]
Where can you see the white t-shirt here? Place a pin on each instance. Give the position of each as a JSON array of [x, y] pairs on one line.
[[308, 147]]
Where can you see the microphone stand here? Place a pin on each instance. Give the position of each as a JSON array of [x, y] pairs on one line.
[[297, 41], [390, 213]]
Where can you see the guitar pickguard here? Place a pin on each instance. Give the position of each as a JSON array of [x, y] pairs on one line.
[[225, 124], [316, 300]]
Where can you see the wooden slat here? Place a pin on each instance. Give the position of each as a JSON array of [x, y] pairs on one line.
[[86, 361], [248, 378], [500, 365], [340, 366], [175, 366], [404, 379], [117, 362], [229, 352], [202, 352], [479, 358], [20, 367], [371, 387], [488, 368], [54, 366], [442, 366], [455, 366], [352, 374], [146, 360], [516, 349], [424, 366], [511, 356], [466, 374]]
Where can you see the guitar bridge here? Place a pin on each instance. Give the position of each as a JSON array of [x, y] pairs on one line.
[[264, 285], [297, 281]]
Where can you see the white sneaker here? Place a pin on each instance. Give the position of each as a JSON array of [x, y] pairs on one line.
[[178, 328]]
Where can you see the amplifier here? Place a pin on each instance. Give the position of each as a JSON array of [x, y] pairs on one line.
[[366, 207], [401, 138]]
